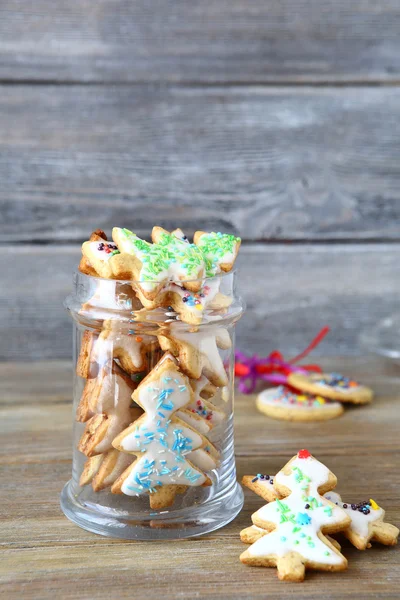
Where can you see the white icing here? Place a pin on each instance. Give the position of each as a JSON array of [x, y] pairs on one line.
[[338, 388], [207, 411], [114, 400], [178, 233], [156, 437], [359, 522], [273, 397], [318, 379], [219, 259], [198, 385], [190, 306], [194, 421], [202, 459], [101, 254], [207, 342], [283, 540], [112, 342], [178, 268], [106, 297]]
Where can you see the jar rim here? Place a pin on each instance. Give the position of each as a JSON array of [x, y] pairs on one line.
[[222, 275]]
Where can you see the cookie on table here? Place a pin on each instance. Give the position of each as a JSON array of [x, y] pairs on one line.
[[367, 523], [331, 385], [281, 403], [262, 485], [297, 524], [253, 533]]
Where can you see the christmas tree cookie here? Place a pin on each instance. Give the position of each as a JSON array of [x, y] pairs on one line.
[[167, 449], [296, 524], [168, 259], [367, 523]]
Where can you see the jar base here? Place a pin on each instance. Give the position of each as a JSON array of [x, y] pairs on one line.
[[168, 524]]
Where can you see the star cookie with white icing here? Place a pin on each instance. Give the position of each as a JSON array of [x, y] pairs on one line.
[[367, 523]]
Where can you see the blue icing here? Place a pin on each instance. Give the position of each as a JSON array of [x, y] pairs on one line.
[[303, 519]]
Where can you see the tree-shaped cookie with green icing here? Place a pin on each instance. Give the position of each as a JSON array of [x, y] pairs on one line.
[[297, 523], [171, 455], [168, 259]]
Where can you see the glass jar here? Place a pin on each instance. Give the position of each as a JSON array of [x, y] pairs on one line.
[[153, 446]]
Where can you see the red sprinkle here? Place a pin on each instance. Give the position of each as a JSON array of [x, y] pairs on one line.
[[303, 454]]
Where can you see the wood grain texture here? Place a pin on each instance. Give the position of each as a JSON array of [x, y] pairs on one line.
[[281, 164], [44, 552], [291, 292], [210, 41]]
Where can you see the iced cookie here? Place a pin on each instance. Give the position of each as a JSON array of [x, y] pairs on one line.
[[367, 523], [169, 259], [128, 347], [281, 403], [219, 250], [85, 366], [189, 305], [198, 351], [253, 533], [102, 470], [262, 485], [331, 385], [111, 300], [105, 406], [84, 266], [296, 525], [160, 440], [202, 388], [106, 260]]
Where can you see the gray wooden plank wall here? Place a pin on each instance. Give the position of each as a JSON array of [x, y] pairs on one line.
[[276, 120]]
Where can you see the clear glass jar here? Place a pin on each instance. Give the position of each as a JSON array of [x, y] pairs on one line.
[[186, 484]]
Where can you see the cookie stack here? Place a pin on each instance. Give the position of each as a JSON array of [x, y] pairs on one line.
[[150, 358], [321, 397], [293, 531]]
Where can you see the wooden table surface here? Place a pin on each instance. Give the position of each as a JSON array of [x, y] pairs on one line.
[[46, 556]]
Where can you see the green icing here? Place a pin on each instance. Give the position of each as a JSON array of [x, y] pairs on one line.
[[214, 247], [157, 258]]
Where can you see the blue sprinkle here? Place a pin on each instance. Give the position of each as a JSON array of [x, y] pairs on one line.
[[136, 490]]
